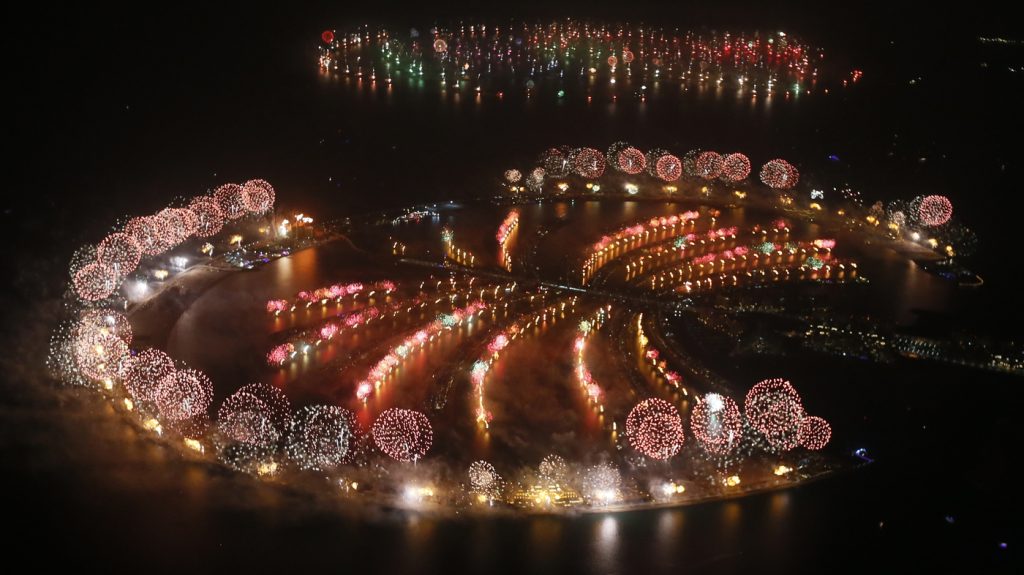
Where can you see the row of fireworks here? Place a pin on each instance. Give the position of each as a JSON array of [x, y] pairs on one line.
[[706, 165], [97, 272]]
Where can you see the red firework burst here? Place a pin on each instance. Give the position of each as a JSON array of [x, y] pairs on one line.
[[779, 174], [735, 167], [668, 168], [631, 161], [588, 163], [708, 165]]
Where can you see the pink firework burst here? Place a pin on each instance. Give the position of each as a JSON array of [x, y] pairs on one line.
[[934, 210], [231, 200], [655, 429], [145, 371], [403, 434], [257, 414], [773, 408], [815, 433], [259, 196], [716, 422], [209, 217], [120, 252], [95, 282], [183, 394]]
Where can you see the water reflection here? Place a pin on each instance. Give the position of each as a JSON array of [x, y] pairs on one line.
[[606, 544]]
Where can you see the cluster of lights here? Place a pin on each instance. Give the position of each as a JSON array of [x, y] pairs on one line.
[[687, 248], [281, 353], [454, 252], [584, 377], [335, 292], [487, 59], [504, 237], [651, 354], [763, 257], [634, 237], [765, 274], [383, 368]]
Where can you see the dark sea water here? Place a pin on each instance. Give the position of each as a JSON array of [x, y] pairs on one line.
[[124, 111]]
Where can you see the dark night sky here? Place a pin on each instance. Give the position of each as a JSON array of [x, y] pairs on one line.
[[71, 68]]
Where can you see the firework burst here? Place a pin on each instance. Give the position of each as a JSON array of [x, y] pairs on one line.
[[773, 407], [403, 434], [319, 437], [183, 394], [779, 174], [655, 429], [716, 423], [735, 168]]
